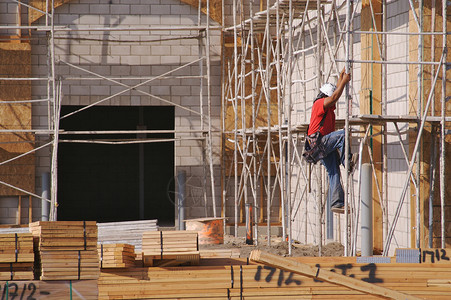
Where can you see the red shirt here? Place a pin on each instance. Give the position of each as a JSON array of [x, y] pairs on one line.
[[317, 114]]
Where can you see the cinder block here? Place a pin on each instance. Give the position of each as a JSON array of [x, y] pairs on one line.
[[130, 60], [78, 90], [160, 9], [113, 59], [120, 50], [140, 50], [135, 100], [78, 9], [89, 19], [180, 90], [150, 60], [160, 50], [120, 70], [100, 9], [120, 9], [100, 90], [140, 70], [170, 59], [170, 20], [138, 9], [68, 19], [160, 90]]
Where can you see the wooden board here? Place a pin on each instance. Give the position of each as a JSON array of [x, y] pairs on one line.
[[116, 255]]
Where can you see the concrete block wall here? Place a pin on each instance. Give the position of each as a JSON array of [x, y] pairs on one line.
[[139, 54]]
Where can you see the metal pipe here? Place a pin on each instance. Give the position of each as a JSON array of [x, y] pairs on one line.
[[268, 139], [420, 106], [45, 205], [443, 126], [235, 92], [366, 232], [181, 187], [348, 69], [289, 111], [319, 168]]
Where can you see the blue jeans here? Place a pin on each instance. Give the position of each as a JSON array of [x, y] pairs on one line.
[[334, 144]]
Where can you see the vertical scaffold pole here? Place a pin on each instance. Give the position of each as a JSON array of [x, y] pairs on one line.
[[289, 137], [268, 139], [56, 109], [280, 110], [420, 108], [234, 100], [348, 69], [210, 139], [318, 167], [442, 125]]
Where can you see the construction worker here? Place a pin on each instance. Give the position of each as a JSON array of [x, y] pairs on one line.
[[330, 144]]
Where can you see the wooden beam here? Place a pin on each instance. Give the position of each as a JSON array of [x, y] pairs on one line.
[[325, 275]]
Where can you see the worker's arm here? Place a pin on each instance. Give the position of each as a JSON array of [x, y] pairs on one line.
[[342, 81]]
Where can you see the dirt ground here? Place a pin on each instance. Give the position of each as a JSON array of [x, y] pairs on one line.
[[278, 247]]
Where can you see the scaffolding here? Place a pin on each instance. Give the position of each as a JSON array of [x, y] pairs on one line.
[[50, 137], [272, 44], [276, 54]]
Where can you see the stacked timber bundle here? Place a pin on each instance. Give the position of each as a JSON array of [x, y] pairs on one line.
[[16, 256], [69, 265], [282, 278], [67, 250], [116, 255], [128, 232], [170, 248], [65, 235]]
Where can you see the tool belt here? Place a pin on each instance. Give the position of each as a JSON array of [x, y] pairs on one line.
[[314, 150]]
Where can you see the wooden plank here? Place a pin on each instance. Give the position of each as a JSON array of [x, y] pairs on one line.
[[303, 269]]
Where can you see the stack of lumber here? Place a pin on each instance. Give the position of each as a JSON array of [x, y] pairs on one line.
[[116, 255], [69, 265], [238, 280], [16, 256], [170, 248], [65, 235], [67, 250], [129, 232], [49, 290]]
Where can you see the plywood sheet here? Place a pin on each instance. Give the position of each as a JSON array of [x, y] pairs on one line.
[[15, 62]]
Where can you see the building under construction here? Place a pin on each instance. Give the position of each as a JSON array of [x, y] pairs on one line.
[[171, 110]]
